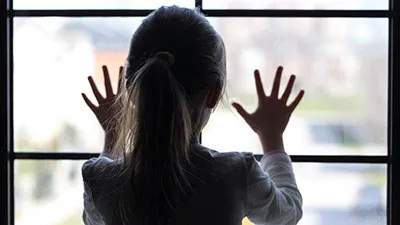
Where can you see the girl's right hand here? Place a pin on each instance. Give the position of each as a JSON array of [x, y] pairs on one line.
[[273, 113]]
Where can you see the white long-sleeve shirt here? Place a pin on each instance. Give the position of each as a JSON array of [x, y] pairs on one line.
[[235, 186]]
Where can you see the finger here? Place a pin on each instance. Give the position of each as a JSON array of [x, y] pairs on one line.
[[296, 101], [242, 111], [259, 86], [92, 106], [277, 82], [107, 82], [121, 69], [288, 89], [96, 92]]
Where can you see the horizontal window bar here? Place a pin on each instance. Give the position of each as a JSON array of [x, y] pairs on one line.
[[295, 158], [214, 13], [81, 13], [298, 13], [52, 155], [336, 159]]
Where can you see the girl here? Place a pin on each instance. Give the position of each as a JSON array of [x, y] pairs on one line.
[[153, 170]]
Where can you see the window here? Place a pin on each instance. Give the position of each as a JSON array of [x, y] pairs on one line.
[[342, 138]]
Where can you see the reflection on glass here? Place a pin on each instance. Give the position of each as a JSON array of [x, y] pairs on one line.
[[50, 192], [99, 4], [342, 65], [296, 4]]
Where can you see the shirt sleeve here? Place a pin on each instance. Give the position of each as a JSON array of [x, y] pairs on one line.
[[272, 194], [91, 216]]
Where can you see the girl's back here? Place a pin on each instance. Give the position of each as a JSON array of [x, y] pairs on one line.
[[228, 187], [218, 198]]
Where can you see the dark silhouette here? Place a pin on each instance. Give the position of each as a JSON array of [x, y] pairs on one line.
[[153, 170]]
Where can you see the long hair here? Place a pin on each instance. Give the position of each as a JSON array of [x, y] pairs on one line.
[[161, 108]]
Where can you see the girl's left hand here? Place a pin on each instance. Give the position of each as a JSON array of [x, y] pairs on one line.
[[105, 109]]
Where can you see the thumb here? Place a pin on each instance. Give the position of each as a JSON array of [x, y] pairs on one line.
[[242, 111]]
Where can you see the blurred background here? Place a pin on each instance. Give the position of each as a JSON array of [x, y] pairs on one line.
[[342, 63]]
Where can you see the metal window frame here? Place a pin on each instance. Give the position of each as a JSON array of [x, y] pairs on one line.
[[8, 156]]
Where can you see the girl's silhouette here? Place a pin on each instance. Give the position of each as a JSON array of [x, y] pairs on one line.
[[153, 169]]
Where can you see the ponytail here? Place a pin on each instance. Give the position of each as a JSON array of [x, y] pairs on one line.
[[154, 134]]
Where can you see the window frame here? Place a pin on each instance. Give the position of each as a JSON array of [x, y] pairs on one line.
[[8, 156]]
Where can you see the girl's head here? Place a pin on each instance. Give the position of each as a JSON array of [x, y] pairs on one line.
[[199, 66], [174, 77]]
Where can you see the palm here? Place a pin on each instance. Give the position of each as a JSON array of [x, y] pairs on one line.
[[105, 109], [272, 114]]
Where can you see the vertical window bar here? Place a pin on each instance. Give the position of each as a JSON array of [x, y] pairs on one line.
[[390, 126], [10, 111], [394, 117], [389, 219], [199, 5], [4, 172]]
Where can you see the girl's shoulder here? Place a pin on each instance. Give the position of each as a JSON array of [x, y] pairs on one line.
[[101, 166], [232, 157]]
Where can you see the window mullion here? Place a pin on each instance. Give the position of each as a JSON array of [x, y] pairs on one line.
[[6, 165], [394, 116], [4, 172], [199, 4], [10, 109]]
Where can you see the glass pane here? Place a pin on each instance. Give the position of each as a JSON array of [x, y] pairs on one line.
[[341, 64], [48, 192], [99, 4], [296, 4], [342, 194], [50, 75]]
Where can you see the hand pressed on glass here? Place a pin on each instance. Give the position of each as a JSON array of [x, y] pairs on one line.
[[273, 113], [105, 111]]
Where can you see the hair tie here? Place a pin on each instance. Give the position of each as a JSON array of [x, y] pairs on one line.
[[167, 56]]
